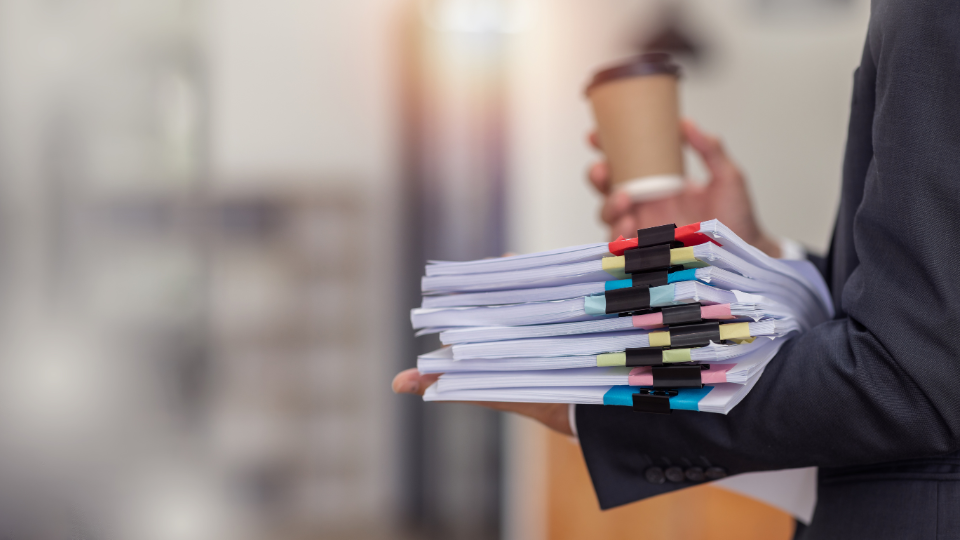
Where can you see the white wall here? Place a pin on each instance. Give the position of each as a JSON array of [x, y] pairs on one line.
[[776, 89]]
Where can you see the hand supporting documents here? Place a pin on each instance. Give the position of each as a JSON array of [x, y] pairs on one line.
[[630, 323]]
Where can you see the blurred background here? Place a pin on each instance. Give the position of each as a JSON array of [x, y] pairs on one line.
[[214, 214]]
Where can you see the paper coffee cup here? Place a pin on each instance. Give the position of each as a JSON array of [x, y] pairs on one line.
[[637, 110]]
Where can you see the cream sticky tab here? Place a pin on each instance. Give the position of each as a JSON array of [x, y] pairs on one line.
[[674, 356], [682, 255], [718, 311], [659, 339], [735, 331], [648, 320], [612, 359], [612, 264]]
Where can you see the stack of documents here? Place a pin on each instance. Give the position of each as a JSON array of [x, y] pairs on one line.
[[676, 318]]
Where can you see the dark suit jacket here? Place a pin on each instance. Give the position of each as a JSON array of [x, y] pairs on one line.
[[880, 384]]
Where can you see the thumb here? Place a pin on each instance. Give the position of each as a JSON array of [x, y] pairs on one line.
[[410, 381]]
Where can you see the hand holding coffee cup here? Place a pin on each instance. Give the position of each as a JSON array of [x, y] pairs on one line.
[[637, 111]]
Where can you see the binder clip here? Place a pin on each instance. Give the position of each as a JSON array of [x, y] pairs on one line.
[[653, 401], [654, 278]]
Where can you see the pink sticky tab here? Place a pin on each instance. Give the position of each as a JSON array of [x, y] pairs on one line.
[[648, 320], [716, 374], [640, 376], [718, 311]]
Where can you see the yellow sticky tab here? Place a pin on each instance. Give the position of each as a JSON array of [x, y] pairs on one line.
[[682, 255], [740, 330], [742, 341], [659, 339], [613, 265], [612, 359], [676, 355]]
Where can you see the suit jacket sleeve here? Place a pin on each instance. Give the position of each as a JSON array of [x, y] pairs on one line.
[[883, 382]]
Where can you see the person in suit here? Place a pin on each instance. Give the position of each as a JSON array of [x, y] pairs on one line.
[[871, 397]]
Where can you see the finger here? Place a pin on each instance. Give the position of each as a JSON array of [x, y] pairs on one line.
[[599, 175], [614, 207], [626, 226], [711, 151], [410, 381], [594, 139]]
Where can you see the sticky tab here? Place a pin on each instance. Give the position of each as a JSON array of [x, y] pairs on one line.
[[621, 244], [674, 356], [688, 398], [659, 339], [662, 296], [595, 305], [690, 235], [682, 255], [611, 359], [683, 275], [617, 284], [716, 374], [718, 311], [735, 331], [619, 395], [647, 320], [640, 376], [613, 266]]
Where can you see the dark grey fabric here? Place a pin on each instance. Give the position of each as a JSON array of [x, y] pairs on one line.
[[878, 384]]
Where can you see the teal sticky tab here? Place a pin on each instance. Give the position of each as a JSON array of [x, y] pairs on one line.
[[682, 275], [662, 295], [595, 305], [687, 399], [617, 284], [620, 395]]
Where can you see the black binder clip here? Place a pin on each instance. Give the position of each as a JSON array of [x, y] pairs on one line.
[[627, 300], [677, 376], [653, 401], [661, 234], [681, 314], [654, 278], [695, 335], [646, 258]]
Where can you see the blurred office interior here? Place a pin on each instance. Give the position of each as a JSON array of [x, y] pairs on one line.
[[214, 214]]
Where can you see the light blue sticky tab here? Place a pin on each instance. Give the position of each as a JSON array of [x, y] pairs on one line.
[[620, 395], [682, 275], [687, 399], [617, 284], [662, 295], [595, 305]]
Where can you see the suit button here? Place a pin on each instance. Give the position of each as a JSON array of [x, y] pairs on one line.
[[695, 474], [716, 473], [655, 475], [674, 474]]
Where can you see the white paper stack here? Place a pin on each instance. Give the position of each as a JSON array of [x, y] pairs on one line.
[[688, 324]]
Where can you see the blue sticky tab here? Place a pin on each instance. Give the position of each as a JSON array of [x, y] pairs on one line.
[[662, 295], [682, 275], [687, 399], [620, 395], [595, 305], [617, 284]]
